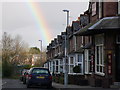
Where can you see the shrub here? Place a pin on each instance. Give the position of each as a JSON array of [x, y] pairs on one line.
[[77, 69]]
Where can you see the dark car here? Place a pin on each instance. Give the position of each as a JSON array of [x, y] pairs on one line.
[[23, 72], [24, 76], [39, 76]]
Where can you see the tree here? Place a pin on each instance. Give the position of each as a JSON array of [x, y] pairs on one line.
[[34, 50], [13, 52]]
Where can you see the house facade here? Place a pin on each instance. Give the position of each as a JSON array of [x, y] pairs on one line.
[[104, 49], [93, 44]]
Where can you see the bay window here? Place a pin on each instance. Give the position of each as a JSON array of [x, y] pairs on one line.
[[99, 54], [71, 64], [88, 64]]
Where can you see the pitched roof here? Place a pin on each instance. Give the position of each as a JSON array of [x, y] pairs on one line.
[[100, 26], [107, 23]]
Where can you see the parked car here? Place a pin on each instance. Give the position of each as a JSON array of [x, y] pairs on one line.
[[22, 74], [39, 76]]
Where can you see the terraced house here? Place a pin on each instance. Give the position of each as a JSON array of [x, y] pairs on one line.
[[93, 44]]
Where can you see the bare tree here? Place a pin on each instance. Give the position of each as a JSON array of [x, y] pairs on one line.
[[6, 46], [13, 49]]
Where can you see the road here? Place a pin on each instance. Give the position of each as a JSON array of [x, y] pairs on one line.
[[15, 84]]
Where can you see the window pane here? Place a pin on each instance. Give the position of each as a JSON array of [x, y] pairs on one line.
[[100, 68], [86, 66], [56, 68], [97, 68], [56, 62], [38, 71], [71, 60], [80, 58], [89, 55], [90, 66], [101, 55], [97, 55], [80, 67], [71, 68]]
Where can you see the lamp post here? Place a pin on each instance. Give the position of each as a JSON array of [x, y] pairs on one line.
[[66, 70], [41, 48]]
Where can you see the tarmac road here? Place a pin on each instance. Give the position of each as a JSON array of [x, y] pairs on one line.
[[15, 84]]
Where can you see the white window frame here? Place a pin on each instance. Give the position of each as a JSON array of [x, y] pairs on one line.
[[55, 66], [61, 65], [52, 66], [87, 62], [57, 71], [69, 64], [98, 72], [80, 63]]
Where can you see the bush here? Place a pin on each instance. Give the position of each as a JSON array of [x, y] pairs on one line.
[[7, 69], [76, 69], [61, 80]]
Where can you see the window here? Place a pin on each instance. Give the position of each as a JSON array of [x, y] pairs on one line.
[[50, 66], [100, 9], [80, 62], [88, 64], [94, 9], [80, 67], [56, 65], [71, 60], [61, 65], [80, 58], [71, 64], [99, 59], [40, 71], [119, 7], [99, 54], [118, 39]]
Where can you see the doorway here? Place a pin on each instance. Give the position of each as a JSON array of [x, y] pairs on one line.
[[118, 63]]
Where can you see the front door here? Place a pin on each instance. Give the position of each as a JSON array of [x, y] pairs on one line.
[[118, 63]]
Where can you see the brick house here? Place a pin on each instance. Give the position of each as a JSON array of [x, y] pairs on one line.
[[55, 54], [75, 52], [93, 43], [105, 49]]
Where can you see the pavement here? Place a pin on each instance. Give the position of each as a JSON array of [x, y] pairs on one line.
[[59, 86]]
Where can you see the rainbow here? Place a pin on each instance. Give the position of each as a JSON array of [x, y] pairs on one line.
[[40, 21]]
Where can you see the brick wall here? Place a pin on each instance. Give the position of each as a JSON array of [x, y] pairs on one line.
[[110, 9]]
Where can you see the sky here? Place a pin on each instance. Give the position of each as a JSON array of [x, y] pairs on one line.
[[35, 21]]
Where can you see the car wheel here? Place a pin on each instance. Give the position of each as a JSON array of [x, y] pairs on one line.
[[28, 85], [24, 81], [49, 86]]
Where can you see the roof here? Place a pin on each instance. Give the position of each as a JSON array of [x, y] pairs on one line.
[[84, 29], [76, 25], [87, 46], [100, 26], [107, 23]]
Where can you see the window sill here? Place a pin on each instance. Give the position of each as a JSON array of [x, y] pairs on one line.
[[101, 74], [75, 73], [88, 73]]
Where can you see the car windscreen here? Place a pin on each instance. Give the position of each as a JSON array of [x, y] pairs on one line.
[[40, 71]]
